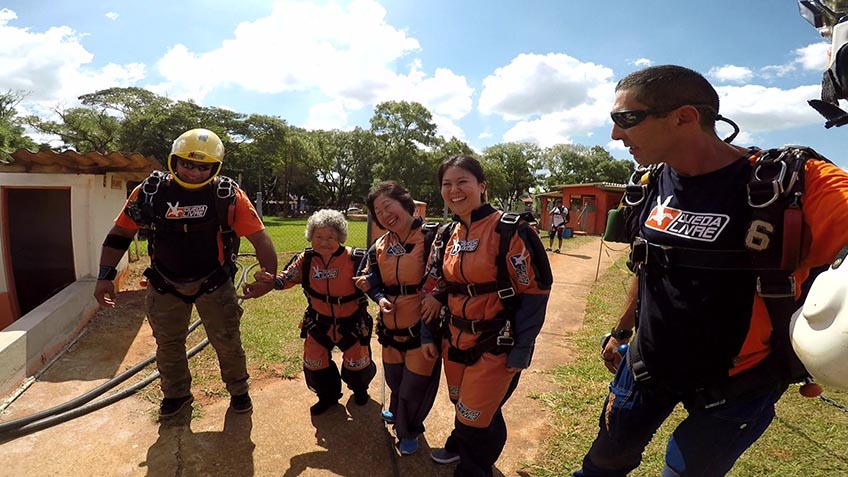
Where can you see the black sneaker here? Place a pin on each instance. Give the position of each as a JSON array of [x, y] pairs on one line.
[[173, 406], [321, 406], [361, 397], [241, 403]]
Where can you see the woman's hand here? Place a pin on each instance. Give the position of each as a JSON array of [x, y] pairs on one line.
[[386, 306], [430, 309], [429, 350], [361, 282]]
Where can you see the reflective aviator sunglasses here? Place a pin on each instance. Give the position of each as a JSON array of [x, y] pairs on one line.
[[628, 119], [194, 165]]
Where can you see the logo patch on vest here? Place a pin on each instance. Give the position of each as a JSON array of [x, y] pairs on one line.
[[701, 226], [359, 363], [313, 363], [187, 212], [464, 246], [453, 391], [467, 413], [319, 274], [519, 264], [396, 249]]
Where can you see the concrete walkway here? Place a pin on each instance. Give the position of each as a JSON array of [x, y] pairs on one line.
[[279, 438]]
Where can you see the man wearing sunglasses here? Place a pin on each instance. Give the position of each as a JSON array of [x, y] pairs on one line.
[[700, 304], [194, 218]]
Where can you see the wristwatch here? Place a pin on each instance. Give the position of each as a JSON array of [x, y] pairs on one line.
[[620, 335]]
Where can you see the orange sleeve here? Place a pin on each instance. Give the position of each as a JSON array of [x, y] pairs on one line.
[[246, 221], [124, 220], [825, 208]]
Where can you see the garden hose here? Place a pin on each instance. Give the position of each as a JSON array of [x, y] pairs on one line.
[[77, 407]]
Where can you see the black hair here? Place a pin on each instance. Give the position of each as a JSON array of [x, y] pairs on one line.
[[392, 190], [672, 86]]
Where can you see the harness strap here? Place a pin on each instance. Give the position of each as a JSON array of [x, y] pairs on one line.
[[477, 326], [487, 343], [402, 289], [386, 337], [503, 289], [353, 329], [210, 284]]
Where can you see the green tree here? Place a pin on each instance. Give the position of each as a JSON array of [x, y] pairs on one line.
[[510, 172], [405, 132], [342, 164], [12, 129], [578, 164]]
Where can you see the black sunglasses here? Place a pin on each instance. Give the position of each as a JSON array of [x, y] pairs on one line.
[[628, 119], [193, 165]]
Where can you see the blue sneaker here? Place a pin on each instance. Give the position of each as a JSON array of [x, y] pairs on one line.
[[388, 417], [408, 445], [444, 456]]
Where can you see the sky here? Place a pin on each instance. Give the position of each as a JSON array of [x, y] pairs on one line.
[[490, 71]]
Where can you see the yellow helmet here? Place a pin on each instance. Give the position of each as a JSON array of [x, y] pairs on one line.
[[201, 146]]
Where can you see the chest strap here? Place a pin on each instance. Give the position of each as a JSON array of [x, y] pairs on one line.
[[503, 289], [397, 290]]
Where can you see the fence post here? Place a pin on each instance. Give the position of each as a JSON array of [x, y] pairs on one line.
[[259, 204]]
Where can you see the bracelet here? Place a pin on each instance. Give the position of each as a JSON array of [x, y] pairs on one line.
[[107, 273]]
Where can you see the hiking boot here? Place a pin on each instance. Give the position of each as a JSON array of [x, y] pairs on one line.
[[388, 417], [321, 406], [241, 403], [173, 406], [361, 397], [444, 456], [556, 251], [408, 445]]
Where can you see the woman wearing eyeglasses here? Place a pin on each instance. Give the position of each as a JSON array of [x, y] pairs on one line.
[[495, 280]]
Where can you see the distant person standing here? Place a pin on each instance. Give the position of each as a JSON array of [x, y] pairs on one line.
[[559, 218]]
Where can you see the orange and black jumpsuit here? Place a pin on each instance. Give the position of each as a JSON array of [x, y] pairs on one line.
[[335, 317], [395, 270], [480, 376]]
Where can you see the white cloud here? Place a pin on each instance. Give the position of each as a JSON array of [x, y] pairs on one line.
[[328, 115], [346, 53], [112, 15], [484, 135], [558, 127], [812, 57], [53, 66], [533, 85], [731, 74], [446, 128], [759, 108], [642, 62]]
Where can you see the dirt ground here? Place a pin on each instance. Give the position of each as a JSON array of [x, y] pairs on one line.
[[279, 438]]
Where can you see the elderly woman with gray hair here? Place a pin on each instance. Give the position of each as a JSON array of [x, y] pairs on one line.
[[336, 312]]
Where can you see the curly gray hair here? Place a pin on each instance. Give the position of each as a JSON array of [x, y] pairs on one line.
[[327, 218]]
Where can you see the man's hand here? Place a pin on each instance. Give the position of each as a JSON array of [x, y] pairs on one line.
[[430, 309], [611, 356], [104, 293]]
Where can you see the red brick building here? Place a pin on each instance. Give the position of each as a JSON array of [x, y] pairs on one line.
[[588, 205]]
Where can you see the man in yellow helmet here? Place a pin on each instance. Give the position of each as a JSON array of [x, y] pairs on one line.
[[194, 217]]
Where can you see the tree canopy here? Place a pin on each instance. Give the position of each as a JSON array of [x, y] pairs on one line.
[[327, 168]]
